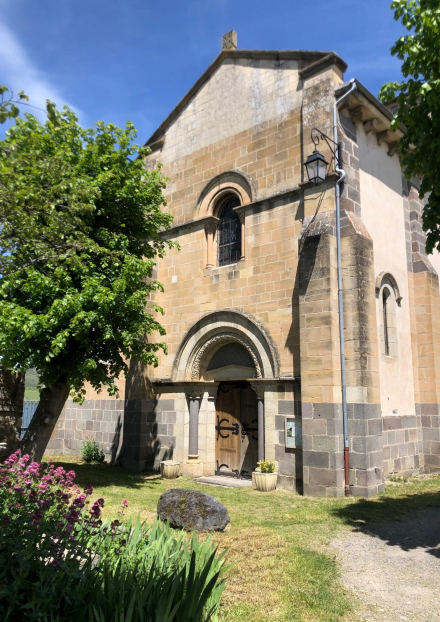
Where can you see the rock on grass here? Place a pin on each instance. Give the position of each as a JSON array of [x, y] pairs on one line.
[[192, 510]]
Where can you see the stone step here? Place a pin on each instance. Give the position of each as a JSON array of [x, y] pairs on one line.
[[223, 480]]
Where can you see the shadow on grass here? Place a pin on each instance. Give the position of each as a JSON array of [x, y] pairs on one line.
[[409, 522], [102, 475]]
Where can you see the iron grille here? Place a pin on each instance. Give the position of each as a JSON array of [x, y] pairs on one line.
[[229, 233]]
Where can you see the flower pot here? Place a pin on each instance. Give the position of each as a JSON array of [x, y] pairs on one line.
[[170, 469], [265, 482]]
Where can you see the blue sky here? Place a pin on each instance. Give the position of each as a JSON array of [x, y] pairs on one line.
[[135, 59]]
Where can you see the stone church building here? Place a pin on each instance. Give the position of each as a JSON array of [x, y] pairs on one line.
[[251, 299]]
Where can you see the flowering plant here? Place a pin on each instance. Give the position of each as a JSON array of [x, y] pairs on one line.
[[267, 466], [50, 535], [59, 562], [43, 508]]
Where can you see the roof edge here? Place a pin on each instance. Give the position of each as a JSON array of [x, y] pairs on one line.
[[327, 61], [374, 101], [340, 90], [306, 55]]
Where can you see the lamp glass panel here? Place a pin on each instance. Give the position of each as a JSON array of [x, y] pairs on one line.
[[322, 169], [312, 170]]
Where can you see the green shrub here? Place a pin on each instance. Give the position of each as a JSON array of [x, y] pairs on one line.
[[91, 451], [158, 577]]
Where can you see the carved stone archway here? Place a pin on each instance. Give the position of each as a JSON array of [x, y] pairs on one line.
[[216, 329]]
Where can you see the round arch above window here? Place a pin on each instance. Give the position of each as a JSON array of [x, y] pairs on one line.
[[387, 278], [217, 189]]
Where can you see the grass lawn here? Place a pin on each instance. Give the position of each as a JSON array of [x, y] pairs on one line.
[[283, 570]]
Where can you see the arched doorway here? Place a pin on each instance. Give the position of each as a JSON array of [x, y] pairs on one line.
[[236, 418], [236, 441], [226, 352]]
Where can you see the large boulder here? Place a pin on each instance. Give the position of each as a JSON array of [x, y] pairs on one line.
[[190, 509]]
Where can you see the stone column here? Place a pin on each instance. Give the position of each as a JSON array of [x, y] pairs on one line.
[[259, 391], [193, 467], [210, 230], [194, 407], [243, 235]]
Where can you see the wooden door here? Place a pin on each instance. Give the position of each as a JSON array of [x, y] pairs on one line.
[[249, 430], [227, 429], [236, 445]]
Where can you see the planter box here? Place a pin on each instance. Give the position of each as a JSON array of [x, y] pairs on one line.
[[265, 482], [170, 469]]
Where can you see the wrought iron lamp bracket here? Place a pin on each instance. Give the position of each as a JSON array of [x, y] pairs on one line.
[[317, 136]]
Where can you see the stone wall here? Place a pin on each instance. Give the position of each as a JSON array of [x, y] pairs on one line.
[[100, 419], [402, 445], [136, 433]]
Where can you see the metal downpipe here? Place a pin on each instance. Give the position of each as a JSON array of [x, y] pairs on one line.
[[341, 173]]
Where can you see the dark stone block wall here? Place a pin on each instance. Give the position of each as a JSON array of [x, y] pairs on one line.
[[98, 419], [430, 417], [136, 433], [148, 433], [402, 445], [366, 449], [289, 459], [323, 449]]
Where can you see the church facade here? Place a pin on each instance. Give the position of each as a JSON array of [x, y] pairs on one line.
[[251, 298]]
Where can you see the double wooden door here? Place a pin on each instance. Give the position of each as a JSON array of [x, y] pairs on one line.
[[236, 430]]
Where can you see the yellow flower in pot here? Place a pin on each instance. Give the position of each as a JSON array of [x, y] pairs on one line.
[[266, 479]]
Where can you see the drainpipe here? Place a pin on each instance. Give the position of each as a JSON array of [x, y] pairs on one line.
[[341, 173]]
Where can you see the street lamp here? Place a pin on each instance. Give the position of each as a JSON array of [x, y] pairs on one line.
[[316, 167]]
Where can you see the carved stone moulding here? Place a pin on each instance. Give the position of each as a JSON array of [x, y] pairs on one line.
[[212, 344]]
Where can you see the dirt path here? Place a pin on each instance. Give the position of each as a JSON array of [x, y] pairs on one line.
[[394, 568]]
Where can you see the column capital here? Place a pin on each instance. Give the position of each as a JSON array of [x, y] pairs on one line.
[[194, 393], [211, 223], [258, 389]]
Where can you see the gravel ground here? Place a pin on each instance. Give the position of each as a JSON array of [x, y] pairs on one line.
[[394, 568]]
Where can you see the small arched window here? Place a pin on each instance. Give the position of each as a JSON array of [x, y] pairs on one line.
[[229, 233], [386, 327], [389, 298]]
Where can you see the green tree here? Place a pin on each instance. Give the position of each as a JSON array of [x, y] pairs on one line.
[[418, 98], [8, 103], [80, 230]]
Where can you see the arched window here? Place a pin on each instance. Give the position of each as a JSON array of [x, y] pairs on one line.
[[386, 327], [389, 298], [229, 233]]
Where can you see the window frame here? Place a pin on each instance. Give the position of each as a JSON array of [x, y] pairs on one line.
[[235, 253]]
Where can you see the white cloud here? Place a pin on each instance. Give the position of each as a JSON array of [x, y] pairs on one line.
[[19, 73]]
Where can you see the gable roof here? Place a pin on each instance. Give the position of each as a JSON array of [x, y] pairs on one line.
[[309, 58]]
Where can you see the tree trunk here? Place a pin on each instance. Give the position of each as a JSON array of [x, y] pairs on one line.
[[44, 420], [11, 411]]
